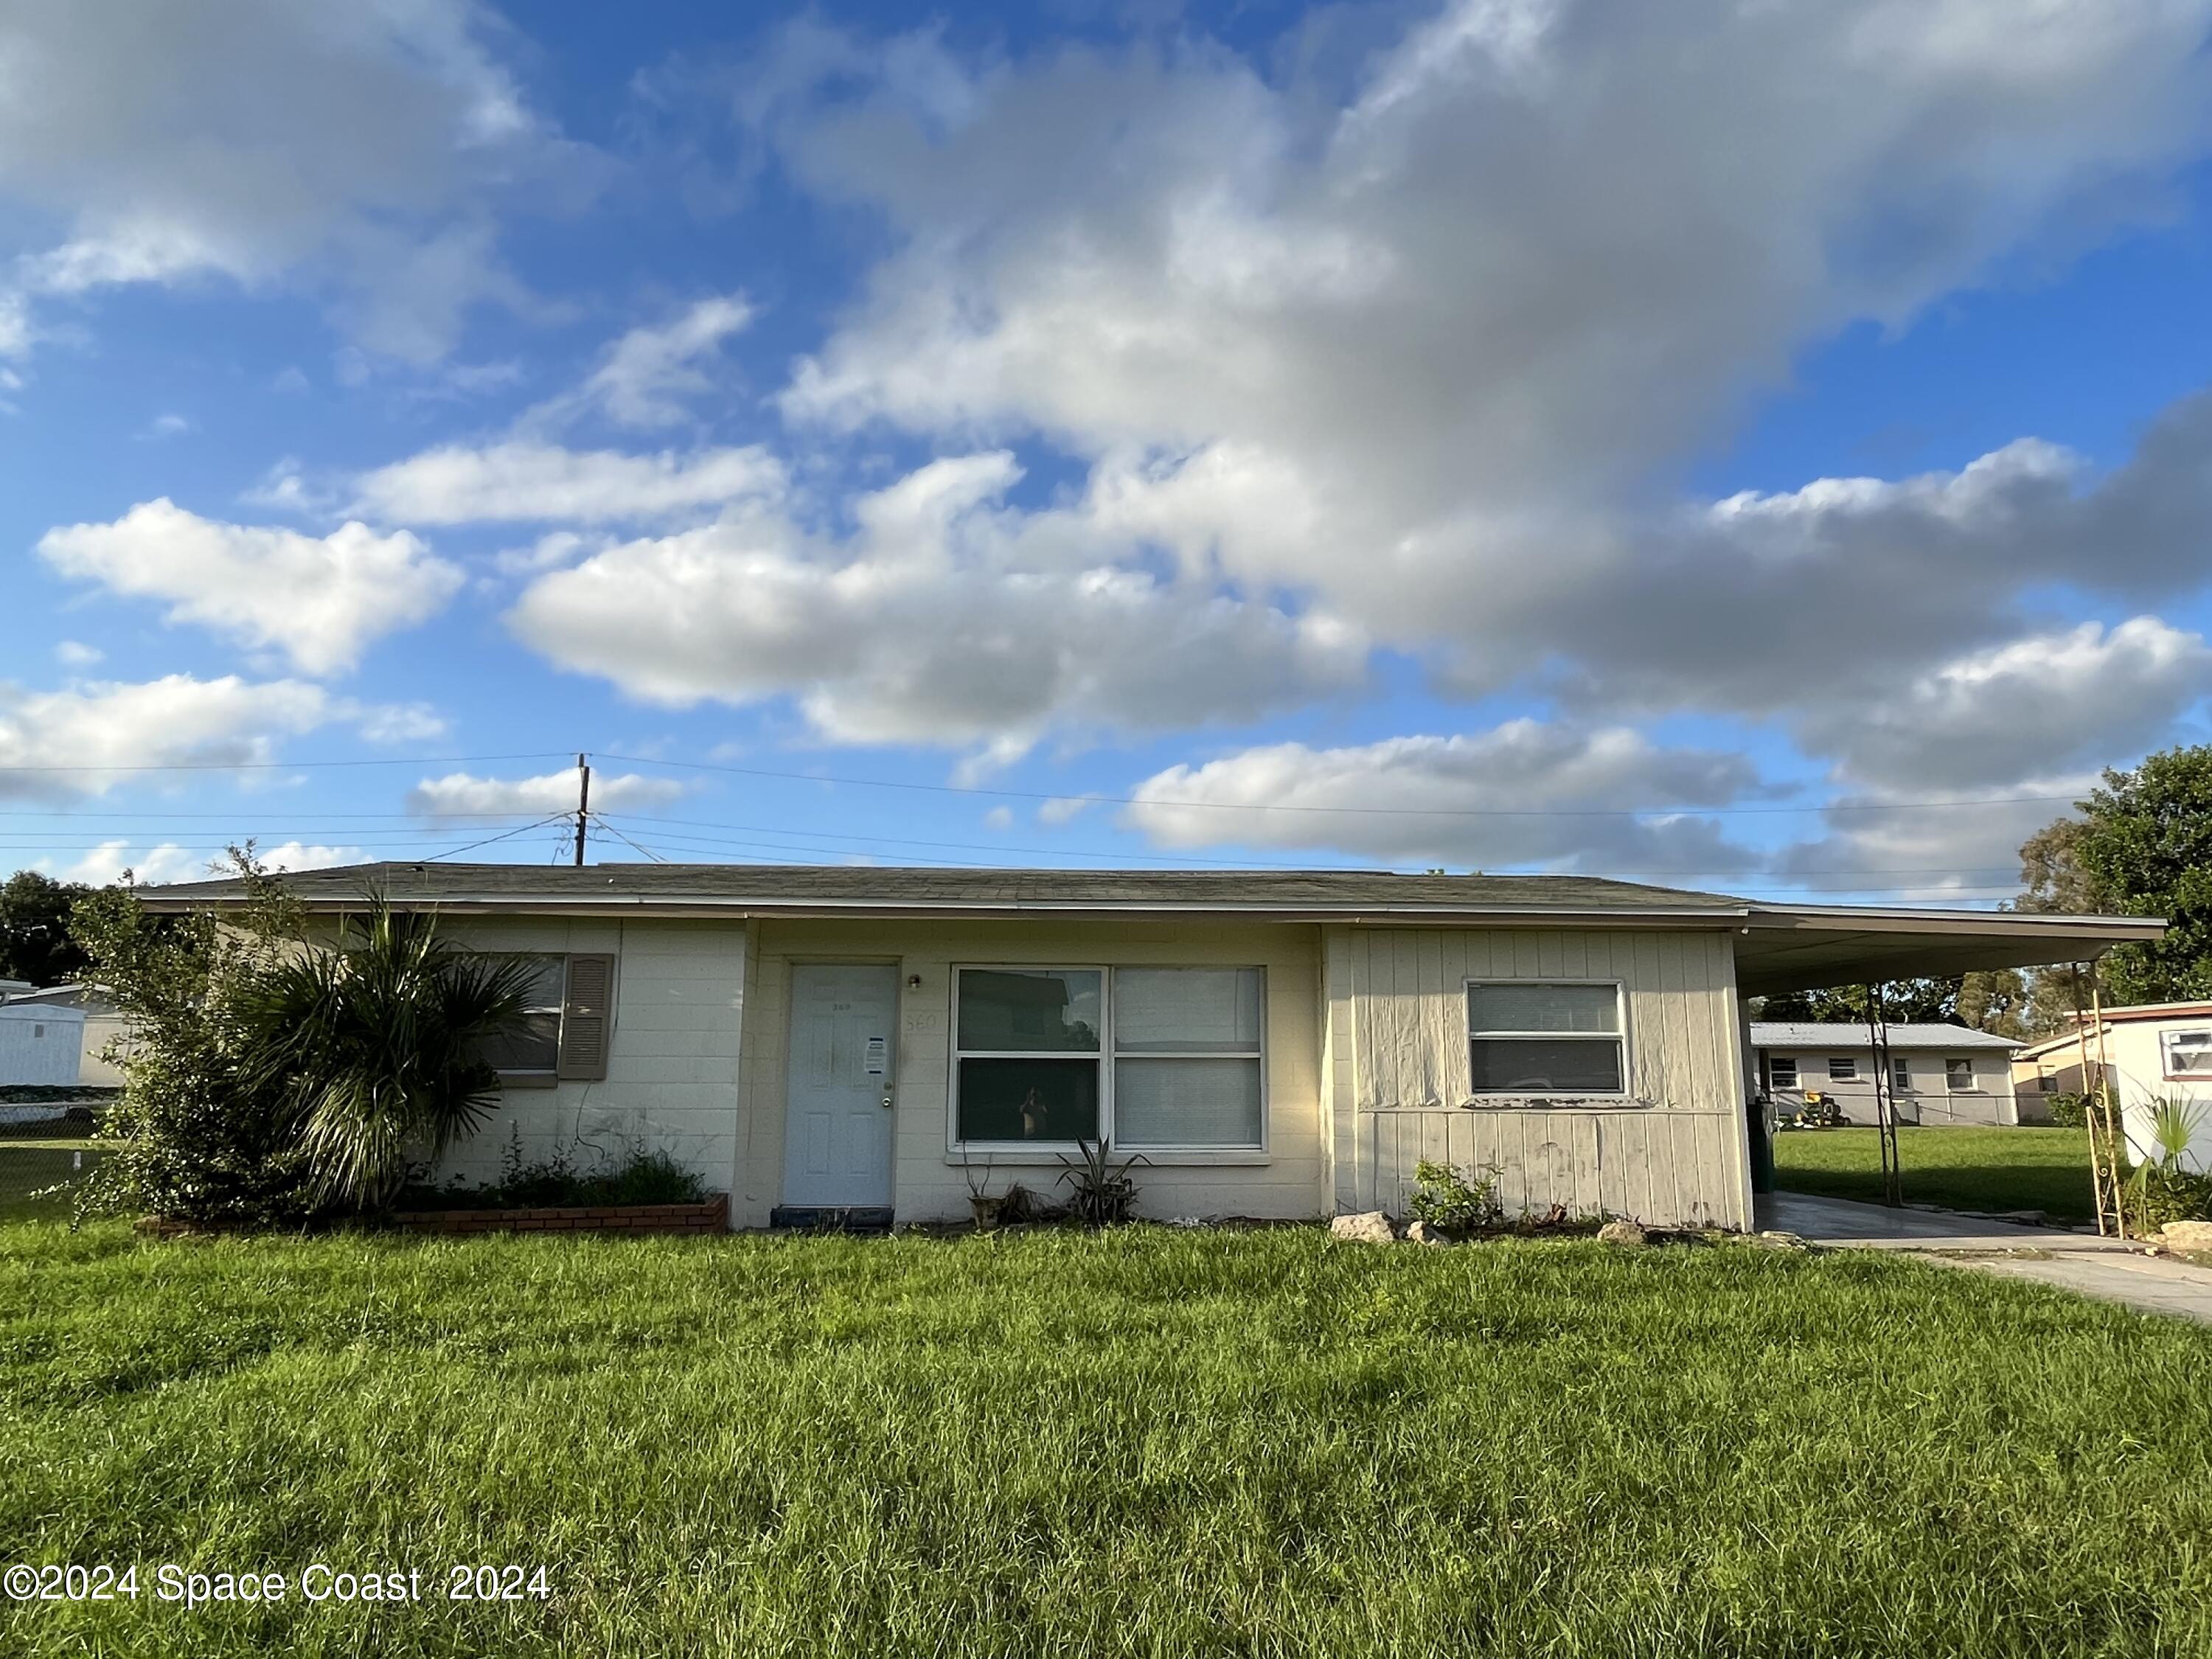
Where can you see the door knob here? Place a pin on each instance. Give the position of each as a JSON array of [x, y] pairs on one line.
[[887, 1102]]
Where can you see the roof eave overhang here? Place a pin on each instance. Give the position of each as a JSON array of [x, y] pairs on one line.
[[747, 908]]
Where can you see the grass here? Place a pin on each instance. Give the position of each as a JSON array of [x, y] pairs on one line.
[[1959, 1168], [1148, 1442], [30, 1164]]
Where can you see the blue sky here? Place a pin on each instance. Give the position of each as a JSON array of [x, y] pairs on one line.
[[1764, 450]]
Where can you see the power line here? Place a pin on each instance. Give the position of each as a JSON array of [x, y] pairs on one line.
[[289, 766], [1677, 810], [519, 829]]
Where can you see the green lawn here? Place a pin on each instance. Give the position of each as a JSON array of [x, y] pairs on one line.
[[30, 1164], [1963, 1168], [1150, 1442]]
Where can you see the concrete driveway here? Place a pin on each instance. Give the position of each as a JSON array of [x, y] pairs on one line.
[[2103, 1267]]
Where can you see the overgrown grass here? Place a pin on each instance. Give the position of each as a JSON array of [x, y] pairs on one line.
[[1959, 1166], [1144, 1442]]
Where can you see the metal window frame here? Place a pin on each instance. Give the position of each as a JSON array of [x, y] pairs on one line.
[[1619, 1035]]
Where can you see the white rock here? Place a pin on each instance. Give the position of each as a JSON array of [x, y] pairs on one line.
[[2186, 1236], [1370, 1227], [1421, 1233], [1622, 1232]]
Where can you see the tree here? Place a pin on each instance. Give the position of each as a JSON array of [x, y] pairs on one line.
[[274, 1074], [1905, 1002], [194, 1138], [376, 1045], [35, 943], [2141, 847]]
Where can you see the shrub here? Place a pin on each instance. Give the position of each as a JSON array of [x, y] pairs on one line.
[[1455, 1201], [376, 1045], [2069, 1110], [195, 1136], [635, 1176], [1101, 1191], [272, 1078]]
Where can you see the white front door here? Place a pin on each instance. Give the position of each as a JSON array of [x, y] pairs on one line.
[[837, 1123]]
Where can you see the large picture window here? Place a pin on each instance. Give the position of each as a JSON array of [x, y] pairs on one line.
[[1145, 1058], [1530, 1038]]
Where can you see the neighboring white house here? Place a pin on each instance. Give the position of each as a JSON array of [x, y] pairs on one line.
[[40, 1045], [1938, 1074], [100, 1026], [1287, 1044], [2153, 1051]]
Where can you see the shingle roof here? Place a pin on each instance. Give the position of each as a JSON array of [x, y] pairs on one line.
[[724, 887], [1794, 1033]]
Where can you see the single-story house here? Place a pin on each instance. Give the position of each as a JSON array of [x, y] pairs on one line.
[[1285, 1044], [2152, 1051], [39, 1045], [101, 1025], [1938, 1074]]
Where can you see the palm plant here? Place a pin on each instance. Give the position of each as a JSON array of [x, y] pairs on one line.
[[376, 1045]]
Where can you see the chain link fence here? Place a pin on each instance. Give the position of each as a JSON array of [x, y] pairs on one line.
[[46, 1144]]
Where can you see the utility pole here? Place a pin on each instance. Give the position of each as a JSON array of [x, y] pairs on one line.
[[583, 804]]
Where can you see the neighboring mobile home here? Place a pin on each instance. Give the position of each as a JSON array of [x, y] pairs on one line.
[[2152, 1051], [1938, 1074], [38, 1045], [100, 1028], [1285, 1044]]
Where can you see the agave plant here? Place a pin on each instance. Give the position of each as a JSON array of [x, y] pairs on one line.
[[1101, 1191], [375, 1044]]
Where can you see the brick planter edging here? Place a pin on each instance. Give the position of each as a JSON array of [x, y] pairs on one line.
[[712, 1217]]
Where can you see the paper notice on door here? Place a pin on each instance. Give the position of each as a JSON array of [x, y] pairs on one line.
[[878, 1056]]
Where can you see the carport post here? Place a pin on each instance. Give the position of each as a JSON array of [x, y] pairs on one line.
[[1885, 1107]]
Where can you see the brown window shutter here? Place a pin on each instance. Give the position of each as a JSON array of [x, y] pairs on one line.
[[586, 1018]]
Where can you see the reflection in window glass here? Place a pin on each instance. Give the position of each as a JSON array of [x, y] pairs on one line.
[[1030, 1010], [1534, 1039], [535, 1045], [1041, 1099]]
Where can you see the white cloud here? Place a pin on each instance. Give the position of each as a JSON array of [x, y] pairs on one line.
[[151, 867], [168, 426], [463, 795], [645, 377], [998, 817], [1524, 792], [1428, 355], [168, 861], [519, 481], [2051, 702], [75, 653], [85, 740], [358, 152], [321, 601], [1063, 809], [929, 626]]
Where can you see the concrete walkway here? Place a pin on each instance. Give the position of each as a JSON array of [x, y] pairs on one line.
[[2104, 1268]]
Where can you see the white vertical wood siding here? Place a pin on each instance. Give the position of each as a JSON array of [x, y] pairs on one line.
[[1400, 1090]]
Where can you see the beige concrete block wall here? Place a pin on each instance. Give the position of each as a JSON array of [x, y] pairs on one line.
[[672, 1082], [1400, 1090], [1288, 1181]]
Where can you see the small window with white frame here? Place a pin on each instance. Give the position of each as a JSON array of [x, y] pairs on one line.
[[1958, 1076], [529, 1053], [2186, 1054], [1900, 1075], [1564, 1037], [1842, 1068], [1782, 1072]]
